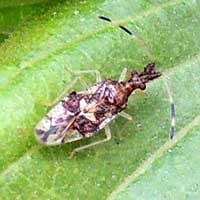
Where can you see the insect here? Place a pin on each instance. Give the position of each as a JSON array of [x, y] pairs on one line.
[[82, 114]]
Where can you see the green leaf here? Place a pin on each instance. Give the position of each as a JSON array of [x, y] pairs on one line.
[[174, 176], [15, 13], [33, 72]]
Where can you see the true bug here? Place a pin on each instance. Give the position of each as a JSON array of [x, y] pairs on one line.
[[82, 114]]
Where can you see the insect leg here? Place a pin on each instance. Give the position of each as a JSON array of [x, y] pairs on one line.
[[131, 33], [173, 111], [108, 137], [50, 104], [92, 71], [125, 115], [122, 76]]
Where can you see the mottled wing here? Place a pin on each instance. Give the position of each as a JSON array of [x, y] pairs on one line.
[[51, 130]]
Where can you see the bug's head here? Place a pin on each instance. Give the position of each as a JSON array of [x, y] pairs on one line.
[[149, 73], [137, 81], [140, 79]]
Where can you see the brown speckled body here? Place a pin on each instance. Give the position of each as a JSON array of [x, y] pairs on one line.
[[82, 114]]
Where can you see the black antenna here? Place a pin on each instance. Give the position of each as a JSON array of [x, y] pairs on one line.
[[120, 26], [173, 116], [125, 29], [105, 18]]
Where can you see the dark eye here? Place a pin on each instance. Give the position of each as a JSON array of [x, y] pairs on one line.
[[73, 100], [72, 93]]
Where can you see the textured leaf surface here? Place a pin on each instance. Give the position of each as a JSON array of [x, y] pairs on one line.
[[175, 176], [32, 72], [14, 13]]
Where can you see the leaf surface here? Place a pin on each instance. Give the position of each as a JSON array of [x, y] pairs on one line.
[[14, 14], [32, 73], [174, 176]]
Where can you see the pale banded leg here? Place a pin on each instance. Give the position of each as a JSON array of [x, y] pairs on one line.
[[122, 76], [92, 71], [173, 111], [108, 137], [125, 115], [64, 93]]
